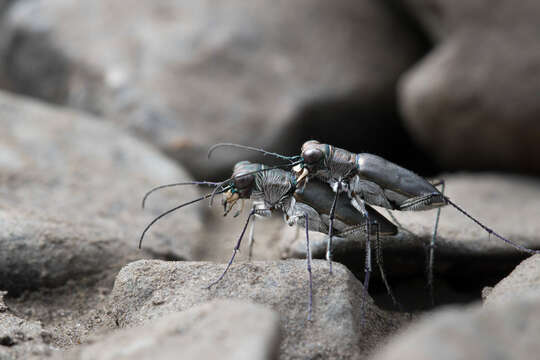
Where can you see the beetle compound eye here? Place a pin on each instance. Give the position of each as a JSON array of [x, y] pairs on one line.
[[245, 193], [241, 166], [312, 156], [244, 185], [309, 145], [242, 182]]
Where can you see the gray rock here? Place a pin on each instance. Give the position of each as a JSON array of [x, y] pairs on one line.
[[221, 329], [71, 188], [70, 313], [146, 290], [509, 331], [19, 338], [188, 74], [524, 281], [4, 4], [39, 252], [503, 203], [472, 101]]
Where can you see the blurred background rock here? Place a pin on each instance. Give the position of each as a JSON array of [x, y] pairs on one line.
[[187, 74]]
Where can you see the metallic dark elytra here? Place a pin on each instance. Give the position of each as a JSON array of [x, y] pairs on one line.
[[369, 178], [319, 196]]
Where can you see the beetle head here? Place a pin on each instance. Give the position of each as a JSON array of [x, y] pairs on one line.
[[313, 156], [242, 184]]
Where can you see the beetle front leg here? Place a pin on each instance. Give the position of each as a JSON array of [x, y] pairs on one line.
[[254, 211], [308, 259], [331, 226], [367, 273], [251, 238], [360, 205], [380, 264]]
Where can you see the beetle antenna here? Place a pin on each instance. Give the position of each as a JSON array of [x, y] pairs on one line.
[[173, 210], [490, 231], [264, 152], [209, 183]]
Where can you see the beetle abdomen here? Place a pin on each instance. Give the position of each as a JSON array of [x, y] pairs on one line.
[[390, 176]]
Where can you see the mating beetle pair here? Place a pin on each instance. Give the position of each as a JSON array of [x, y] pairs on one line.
[[272, 189], [305, 200]]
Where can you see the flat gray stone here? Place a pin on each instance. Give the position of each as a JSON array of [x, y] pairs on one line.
[[222, 329], [509, 331], [20, 338], [523, 281], [71, 187], [39, 252], [146, 290]]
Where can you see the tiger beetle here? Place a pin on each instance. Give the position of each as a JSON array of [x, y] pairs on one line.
[[370, 179], [272, 188]]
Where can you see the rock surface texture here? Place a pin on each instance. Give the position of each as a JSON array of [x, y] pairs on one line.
[[506, 327], [472, 100], [222, 329], [508, 332], [147, 290], [70, 213], [19, 338], [523, 282]]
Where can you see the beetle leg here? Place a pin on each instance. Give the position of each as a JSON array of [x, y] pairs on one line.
[[394, 219], [308, 260], [251, 238], [367, 273], [380, 264], [431, 255], [424, 202], [237, 247], [242, 204], [331, 226], [359, 205]]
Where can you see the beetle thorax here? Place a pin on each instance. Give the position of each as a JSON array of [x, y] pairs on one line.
[[340, 165], [274, 188]]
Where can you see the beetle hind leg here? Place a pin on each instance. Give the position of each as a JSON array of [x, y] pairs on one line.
[[424, 202], [331, 226], [380, 264], [431, 248], [367, 274], [251, 239]]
